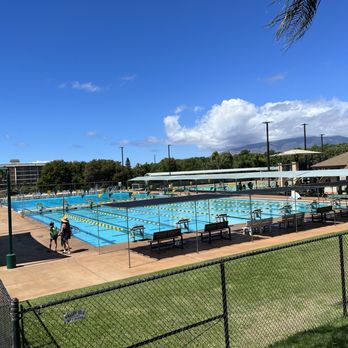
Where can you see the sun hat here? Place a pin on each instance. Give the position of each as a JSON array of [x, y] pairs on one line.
[[63, 219]]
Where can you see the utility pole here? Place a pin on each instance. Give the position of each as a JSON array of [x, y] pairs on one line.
[[305, 135], [122, 168], [268, 156], [322, 142], [169, 159], [305, 141]]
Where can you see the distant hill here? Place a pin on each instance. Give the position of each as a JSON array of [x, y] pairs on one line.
[[291, 143]]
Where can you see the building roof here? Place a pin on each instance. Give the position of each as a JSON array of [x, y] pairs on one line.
[[212, 171], [20, 164], [340, 161], [248, 176]]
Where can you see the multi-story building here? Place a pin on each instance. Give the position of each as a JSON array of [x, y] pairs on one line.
[[24, 173]]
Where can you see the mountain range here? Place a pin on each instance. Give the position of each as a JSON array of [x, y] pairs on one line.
[[291, 143]]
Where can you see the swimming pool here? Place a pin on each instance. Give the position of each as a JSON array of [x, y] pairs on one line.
[[104, 225], [54, 202]]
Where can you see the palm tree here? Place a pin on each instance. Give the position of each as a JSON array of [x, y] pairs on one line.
[[294, 19]]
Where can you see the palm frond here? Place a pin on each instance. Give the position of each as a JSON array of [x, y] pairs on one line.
[[294, 20]]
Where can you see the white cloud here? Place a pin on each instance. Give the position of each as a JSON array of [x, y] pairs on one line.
[[153, 140], [180, 108], [237, 122], [86, 87], [127, 78], [91, 134], [149, 141], [21, 144], [273, 78], [197, 108]]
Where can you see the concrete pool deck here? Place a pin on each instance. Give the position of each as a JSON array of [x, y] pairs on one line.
[[41, 273]]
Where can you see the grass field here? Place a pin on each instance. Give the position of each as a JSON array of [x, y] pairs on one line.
[[286, 298]]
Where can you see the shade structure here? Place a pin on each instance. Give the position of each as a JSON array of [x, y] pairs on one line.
[[295, 152]]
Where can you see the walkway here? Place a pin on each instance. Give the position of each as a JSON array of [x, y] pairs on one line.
[[41, 273]]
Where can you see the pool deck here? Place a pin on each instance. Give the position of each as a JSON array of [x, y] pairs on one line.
[[41, 273]]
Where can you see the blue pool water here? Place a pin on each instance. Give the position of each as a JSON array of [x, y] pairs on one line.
[[104, 225], [52, 202]]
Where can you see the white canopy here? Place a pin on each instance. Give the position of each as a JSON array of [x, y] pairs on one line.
[[295, 152]]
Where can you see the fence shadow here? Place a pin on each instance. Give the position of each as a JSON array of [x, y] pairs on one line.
[[27, 249]]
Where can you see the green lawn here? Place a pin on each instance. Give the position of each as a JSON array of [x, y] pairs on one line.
[[287, 298]]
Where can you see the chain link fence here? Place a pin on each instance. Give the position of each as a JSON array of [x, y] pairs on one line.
[[259, 299], [5, 319]]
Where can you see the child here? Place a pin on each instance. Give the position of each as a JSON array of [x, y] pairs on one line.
[[53, 236]]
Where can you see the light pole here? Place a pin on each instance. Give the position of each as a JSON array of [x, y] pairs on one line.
[[268, 156], [305, 141], [169, 159], [322, 142], [121, 147], [305, 135], [11, 256]]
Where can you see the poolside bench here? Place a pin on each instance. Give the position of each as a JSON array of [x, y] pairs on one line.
[[258, 225], [168, 237], [343, 211], [289, 219], [321, 214], [215, 229]]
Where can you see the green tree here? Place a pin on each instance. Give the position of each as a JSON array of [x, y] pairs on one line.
[[55, 175], [294, 19], [226, 160], [77, 174], [100, 170]]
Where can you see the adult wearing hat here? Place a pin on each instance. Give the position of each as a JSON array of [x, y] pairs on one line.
[[65, 234]]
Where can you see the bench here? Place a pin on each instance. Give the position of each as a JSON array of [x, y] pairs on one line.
[[343, 211], [321, 214], [215, 229], [168, 237], [289, 219], [258, 225]]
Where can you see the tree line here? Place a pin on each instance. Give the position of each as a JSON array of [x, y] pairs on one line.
[[59, 175]]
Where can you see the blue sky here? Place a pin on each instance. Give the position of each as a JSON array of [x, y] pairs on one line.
[[79, 79]]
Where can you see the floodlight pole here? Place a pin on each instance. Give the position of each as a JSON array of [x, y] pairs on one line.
[[121, 147], [322, 145], [304, 135], [305, 141], [169, 172], [11, 256], [268, 156], [322, 142]]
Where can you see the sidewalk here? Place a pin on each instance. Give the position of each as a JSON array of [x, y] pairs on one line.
[[41, 273]]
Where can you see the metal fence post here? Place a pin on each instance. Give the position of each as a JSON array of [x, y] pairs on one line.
[[224, 304], [14, 312], [343, 277]]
